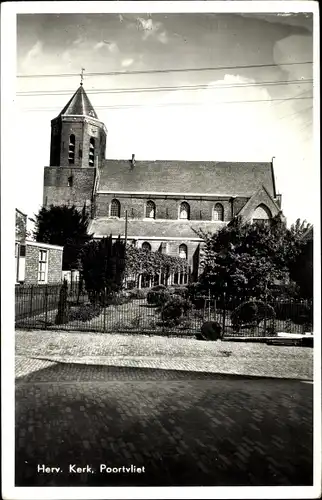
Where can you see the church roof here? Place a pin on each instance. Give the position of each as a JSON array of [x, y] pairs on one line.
[[79, 104], [200, 177], [152, 228]]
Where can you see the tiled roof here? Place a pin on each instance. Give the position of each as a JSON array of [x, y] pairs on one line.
[[79, 104], [220, 178], [152, 228]]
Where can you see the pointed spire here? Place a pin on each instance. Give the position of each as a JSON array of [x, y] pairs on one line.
[[79, 104]]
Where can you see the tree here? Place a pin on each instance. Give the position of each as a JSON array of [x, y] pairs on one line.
[[65, 226], [301, 269], [248, 260], [103, 267]]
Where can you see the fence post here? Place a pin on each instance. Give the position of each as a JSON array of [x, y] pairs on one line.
[[46, 306], [104, 311], [209, 304], [31, 298], [224, 315]]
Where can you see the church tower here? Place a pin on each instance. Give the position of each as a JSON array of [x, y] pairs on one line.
[[77, 151], [78, 138]]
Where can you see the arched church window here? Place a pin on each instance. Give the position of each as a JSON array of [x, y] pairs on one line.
[[115, 208], [183, 251], [184, 212], [261, 214], [91, 152], [218, 212], [150, 210], [146, 246], [71, 149]]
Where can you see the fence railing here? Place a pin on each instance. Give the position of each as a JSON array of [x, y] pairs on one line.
[[72, 309]]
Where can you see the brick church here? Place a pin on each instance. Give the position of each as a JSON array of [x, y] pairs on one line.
[[164, 201]]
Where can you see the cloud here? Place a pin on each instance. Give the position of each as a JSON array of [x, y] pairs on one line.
[[150, 29], [163, 37], [33, 54], [78, 41], [111, 46], [127, 62]]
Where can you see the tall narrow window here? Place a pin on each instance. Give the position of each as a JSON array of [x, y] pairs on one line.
[[42, 266], [71, 150], [146, 246], [91, 152], [184, 212], [150, 210], [183, 251], [115, 208], [218, 212]]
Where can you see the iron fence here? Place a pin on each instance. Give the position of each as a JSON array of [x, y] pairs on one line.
[[73, 309]]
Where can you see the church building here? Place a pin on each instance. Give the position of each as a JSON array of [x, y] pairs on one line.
[[158, 205]]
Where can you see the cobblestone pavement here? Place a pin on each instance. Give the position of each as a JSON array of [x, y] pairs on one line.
[[168, 353], [183, 427]]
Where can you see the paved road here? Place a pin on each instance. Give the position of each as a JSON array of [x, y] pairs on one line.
[[184, 428]]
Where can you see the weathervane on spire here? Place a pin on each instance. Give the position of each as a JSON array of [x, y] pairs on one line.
[[82, 75]]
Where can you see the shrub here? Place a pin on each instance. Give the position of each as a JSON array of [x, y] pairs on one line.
[[138, 293], [84, 313], [199, 302], [174, 309], [157, 288], [251, 312], [182, 291], [211, 330], [117, 300], [299, 313], [158, 298]]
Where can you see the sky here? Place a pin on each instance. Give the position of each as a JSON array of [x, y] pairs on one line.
[[188, 86]]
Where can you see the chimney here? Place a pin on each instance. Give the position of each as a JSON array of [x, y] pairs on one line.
[[133, 160]]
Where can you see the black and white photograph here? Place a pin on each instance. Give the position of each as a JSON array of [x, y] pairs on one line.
[[162, 328]]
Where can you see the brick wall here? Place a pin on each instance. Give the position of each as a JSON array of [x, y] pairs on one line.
[[58, 192], [31, 264], [55, 265], [261, 197], [166, 208], [55, 259], [83, 128]]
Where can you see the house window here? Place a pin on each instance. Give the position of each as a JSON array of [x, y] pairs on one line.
[[22, 250], [70, 181], [43, 266], [183, 251], [261, 215], [218, 212], [91, 152], [150, 210], [184, 212], [146, 246], [71, 150], [115, 208]]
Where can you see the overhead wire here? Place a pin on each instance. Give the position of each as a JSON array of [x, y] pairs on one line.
[[149, 105], [160, 71], [40, 93]]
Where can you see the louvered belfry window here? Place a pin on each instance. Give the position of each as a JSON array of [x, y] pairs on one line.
[[71, 149], [91, 152]]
